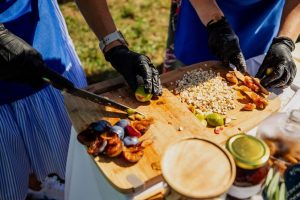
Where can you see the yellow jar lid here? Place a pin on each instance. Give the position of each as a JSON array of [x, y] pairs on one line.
[[249, 152]]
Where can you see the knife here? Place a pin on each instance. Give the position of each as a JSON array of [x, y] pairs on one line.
[[63, 84], [105, 101]]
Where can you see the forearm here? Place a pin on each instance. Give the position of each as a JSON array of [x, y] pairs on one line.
[[97, 16], [290, 20], [207, 10]]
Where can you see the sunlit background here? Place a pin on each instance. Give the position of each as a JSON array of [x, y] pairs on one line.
[[143, 22]]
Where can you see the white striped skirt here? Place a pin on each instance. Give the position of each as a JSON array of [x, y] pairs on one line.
[[34, 137]]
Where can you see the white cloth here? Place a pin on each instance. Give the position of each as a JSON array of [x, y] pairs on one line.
[[83, 178], [85, 181]]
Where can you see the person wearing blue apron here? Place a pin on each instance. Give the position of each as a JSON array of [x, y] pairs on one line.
[[34, 124], [230, 30]]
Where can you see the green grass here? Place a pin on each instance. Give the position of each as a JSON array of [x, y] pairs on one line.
[[143, 22]]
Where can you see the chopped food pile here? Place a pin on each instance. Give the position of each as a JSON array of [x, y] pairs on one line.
[[210, 97], [123, 138], [250, 87], [207, 91]]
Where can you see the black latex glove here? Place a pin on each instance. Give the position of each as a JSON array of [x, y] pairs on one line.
[[20, 62], [278, 68], [224, 43], [132, 66]]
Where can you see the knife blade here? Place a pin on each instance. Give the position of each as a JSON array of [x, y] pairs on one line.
[[100, 100]]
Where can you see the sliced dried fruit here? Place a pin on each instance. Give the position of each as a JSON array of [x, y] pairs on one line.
[[261, 88], [93, 131], [130, 131], [242, 88], [239, 75], [249, 83], [106, 136], [143, 125], [231, 77], [133, 154], [256, 81], [192, 108], [146, 143], [218, 129], [97, 147], [249, 107], [261, 103], [258, 100], [114, 146]]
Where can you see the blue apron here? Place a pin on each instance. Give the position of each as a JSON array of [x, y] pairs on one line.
[[255, 22], [36, 22]]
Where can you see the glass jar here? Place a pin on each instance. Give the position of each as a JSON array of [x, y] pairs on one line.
[[251, 156], [281, 132]]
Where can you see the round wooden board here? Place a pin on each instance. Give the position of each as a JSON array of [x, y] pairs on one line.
[[198, 168]]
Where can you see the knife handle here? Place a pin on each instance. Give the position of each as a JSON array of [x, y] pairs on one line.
[[56, 79]]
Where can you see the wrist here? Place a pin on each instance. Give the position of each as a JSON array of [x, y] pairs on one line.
[[112, 45], [286, 41], [111, 40], [215, 18]]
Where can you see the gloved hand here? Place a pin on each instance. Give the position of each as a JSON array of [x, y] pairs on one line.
[[20, 62], [224, 43], [134, 66], [278, 68]]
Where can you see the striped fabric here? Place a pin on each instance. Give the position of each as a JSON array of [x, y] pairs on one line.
[[35, 131]]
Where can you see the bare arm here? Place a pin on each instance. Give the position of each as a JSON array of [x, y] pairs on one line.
[[222, 41], [98, 17], [128, 63], [290, 21], [207, 10]]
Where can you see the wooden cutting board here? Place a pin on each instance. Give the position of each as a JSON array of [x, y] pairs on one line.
[[168, 113]]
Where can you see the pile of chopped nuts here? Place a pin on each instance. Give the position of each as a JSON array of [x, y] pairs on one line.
[[206, 91]]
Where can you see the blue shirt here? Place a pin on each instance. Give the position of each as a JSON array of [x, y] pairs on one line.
[[39, 23], [255, 22]]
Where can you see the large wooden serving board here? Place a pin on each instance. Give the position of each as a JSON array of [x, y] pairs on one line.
[[168, 113]]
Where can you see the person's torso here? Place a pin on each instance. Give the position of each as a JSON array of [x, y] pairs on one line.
[[39, 23], [255, 22]]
